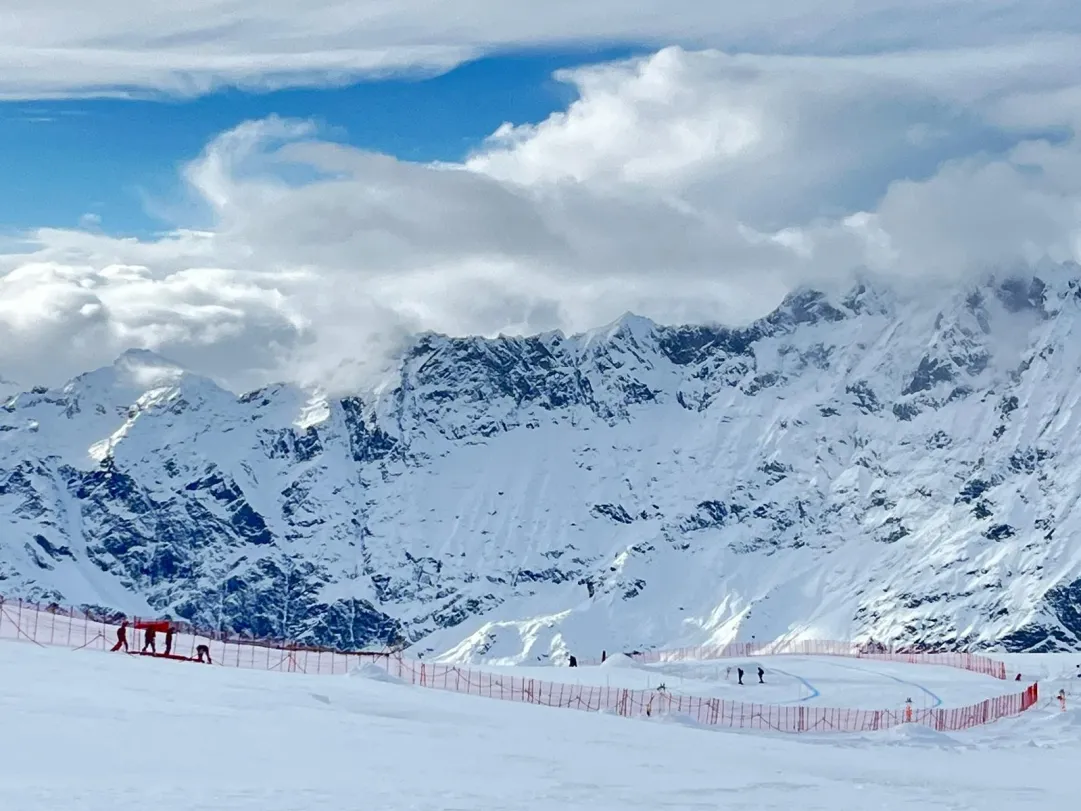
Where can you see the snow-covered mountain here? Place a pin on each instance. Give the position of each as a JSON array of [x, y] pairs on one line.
[[848, 466], [8, 389]]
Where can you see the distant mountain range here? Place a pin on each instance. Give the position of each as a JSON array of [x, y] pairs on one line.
[[850, 466]]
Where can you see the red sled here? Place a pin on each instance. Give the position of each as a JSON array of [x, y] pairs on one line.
[[160, 626]]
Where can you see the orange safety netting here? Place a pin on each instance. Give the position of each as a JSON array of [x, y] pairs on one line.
[[77, 630]]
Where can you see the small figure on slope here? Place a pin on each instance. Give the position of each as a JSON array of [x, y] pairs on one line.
[[121, 638], [739, 673], [149, 636], [201, 651], [761, 673]]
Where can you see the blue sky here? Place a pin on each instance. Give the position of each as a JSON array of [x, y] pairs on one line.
[[746, 150], [118, 158]]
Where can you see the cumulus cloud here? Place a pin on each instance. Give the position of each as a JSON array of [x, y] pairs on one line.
[[687, 185], [71, 47]]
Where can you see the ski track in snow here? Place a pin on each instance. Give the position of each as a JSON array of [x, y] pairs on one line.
[[918, 686], [832, 681], [815, 692]]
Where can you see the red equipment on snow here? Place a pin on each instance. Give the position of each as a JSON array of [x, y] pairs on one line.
[[150, 629], [158, 626]]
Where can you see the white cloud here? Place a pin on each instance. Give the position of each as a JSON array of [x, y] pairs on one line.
[[685, 186], [63, 47]]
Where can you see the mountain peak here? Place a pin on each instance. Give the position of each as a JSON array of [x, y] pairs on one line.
[[134, 373], [136, 358], [628, 325]]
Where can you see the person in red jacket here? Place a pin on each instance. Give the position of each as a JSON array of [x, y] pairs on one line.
[[121, 638]]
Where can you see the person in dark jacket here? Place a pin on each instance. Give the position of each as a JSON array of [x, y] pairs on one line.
[[149, 636], [169, 640], [121, 638], [574, 661], [201, 651], [739, 673], [761, 673]]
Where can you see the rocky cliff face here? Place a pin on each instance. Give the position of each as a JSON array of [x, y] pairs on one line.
[[844, 467]]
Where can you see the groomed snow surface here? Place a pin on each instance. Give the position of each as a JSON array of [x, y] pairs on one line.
[[814, 681], [95, 731]]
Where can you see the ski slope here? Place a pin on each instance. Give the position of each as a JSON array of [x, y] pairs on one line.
[[814, 681], [98, 732]]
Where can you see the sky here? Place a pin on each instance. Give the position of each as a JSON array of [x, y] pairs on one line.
[[265, 192]]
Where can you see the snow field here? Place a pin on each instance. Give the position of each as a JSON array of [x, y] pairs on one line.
[[812, 680], [97, 732]]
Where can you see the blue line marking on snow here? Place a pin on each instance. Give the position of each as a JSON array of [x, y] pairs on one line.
[[938, 701], [814, 690]]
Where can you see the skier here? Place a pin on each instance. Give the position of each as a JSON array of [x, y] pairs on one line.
[[168, 640], [149, 637], [604, 656], [761, 673], [121, 638], [739, 672], [728, 673], [574, 661], [201, 651]]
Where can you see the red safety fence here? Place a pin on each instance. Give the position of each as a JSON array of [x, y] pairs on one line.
[[53, 625], [706, 711]]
